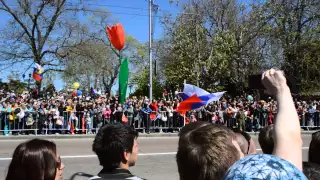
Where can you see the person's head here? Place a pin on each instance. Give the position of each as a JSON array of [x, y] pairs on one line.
[[206, 151], [246, 143], [314, 148], [116, 146], [252, 147], [243, 143], [311, 170], [266, 139], [190, 127], [35, 160]]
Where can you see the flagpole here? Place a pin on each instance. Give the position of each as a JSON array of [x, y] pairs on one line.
[[119, 76], [150, 49]]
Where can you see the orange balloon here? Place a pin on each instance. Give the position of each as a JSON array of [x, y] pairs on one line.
[[116, 36]]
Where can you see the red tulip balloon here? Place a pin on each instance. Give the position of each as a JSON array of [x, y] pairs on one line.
[[116, 36]]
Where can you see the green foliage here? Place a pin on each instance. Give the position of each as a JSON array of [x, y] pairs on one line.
[[17, 86], [233, 41], [307, 68], [183, 59], [293, 28], [142, 89]]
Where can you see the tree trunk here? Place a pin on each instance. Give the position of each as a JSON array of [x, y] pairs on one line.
[[39, 86], [88, 83]]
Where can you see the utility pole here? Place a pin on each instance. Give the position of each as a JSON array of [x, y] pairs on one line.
[[198, 67], [155, 9], [150, 49]]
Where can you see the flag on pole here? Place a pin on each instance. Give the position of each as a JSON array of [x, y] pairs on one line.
[[123, 80]]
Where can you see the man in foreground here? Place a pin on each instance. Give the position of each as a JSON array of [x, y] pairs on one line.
[[206, 151], [117, 150]]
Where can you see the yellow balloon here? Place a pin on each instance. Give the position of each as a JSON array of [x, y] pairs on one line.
[[76, 85]]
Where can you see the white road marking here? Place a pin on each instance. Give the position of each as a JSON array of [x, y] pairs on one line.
[[141, 154]]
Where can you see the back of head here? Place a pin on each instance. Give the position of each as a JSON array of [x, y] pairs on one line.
[[266, 139], [33, 160], [252, 147], [243, 142], [205, 152], [314, 148], [111, 142], [311, 170], [192, 126]]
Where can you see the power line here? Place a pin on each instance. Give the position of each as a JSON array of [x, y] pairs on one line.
[[101, 11], [130, 7], [106, 5], [117, 6]]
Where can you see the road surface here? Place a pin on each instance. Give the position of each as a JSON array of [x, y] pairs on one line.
[[156, 156]]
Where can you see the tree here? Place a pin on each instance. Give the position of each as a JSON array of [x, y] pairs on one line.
[[141, 80], [15, 84], [89, 64], [308, 62], [37, 32], [215, 43], [95, 59], [294, 29]]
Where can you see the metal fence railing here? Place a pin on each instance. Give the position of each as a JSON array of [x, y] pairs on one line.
[[84, 122], [87, 122]]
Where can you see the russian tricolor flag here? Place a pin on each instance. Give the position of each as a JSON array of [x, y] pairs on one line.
[[36, 76], [37, 73], [195, 97]]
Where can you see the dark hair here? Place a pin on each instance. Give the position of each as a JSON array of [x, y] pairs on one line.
[[33, 160], [266, 139], [311, 170], [192, 126], [314, 148], [206, 152], [111, 142]]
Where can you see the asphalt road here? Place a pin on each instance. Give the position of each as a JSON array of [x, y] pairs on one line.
[[156, 157]]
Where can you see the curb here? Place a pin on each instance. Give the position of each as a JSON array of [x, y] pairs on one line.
[[91, 136]]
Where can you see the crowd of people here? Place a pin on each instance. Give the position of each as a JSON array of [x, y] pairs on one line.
[[206, 151], [68, 114]]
